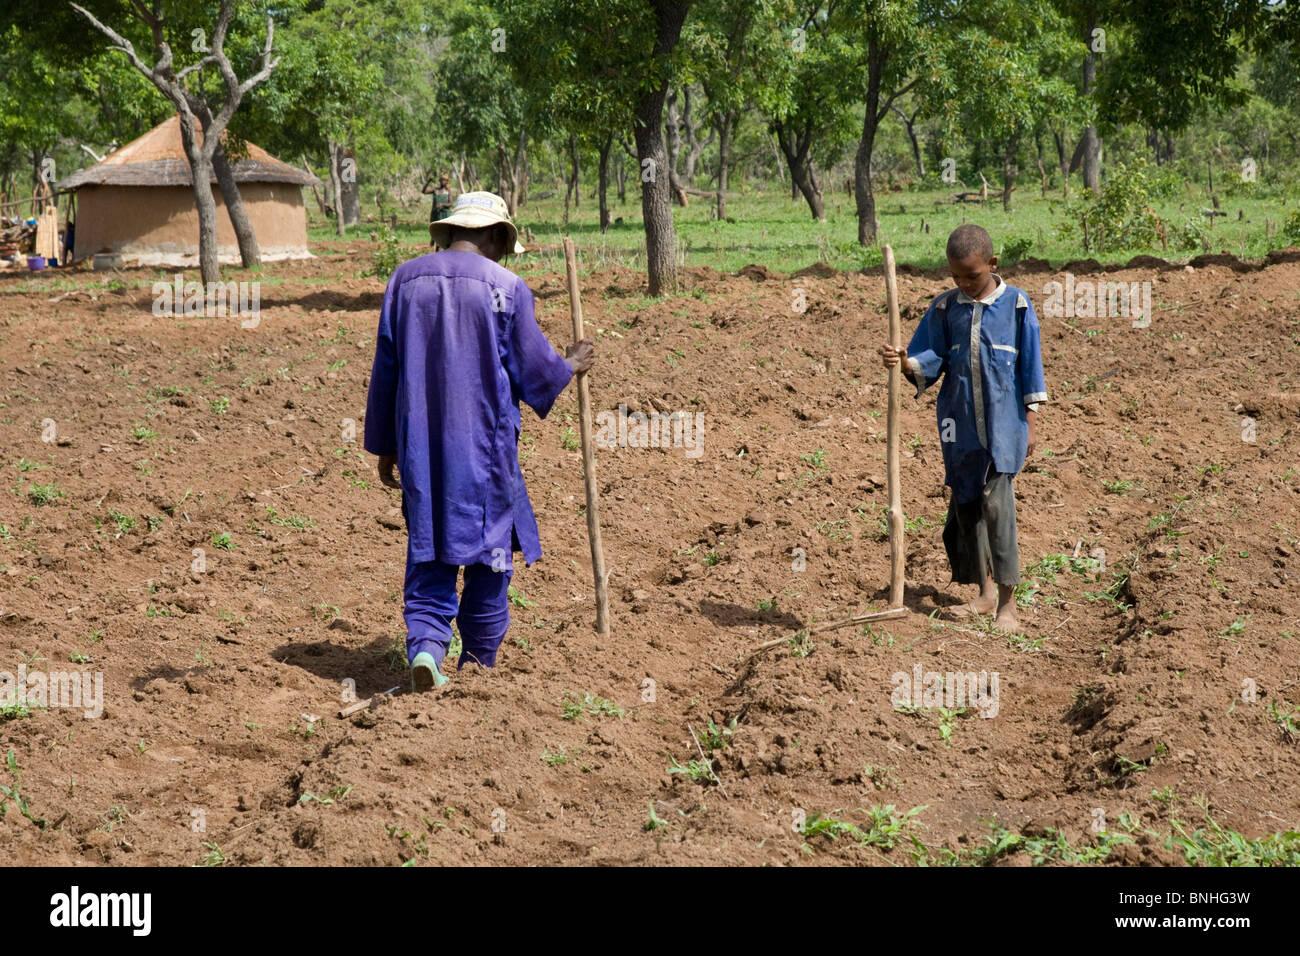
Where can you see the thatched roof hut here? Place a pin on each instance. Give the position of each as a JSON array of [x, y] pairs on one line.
[[139, 202]]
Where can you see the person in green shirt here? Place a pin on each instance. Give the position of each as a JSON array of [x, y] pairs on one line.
[[441, 199]]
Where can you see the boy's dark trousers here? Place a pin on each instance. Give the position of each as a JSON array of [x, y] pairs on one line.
[[980, 535]]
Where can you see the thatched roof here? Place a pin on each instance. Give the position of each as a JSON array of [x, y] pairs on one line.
[[158, 159]]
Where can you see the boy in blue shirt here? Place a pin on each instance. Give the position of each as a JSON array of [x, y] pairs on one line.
[[982, 338]]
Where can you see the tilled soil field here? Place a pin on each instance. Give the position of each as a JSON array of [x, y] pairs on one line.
[[187, 511]]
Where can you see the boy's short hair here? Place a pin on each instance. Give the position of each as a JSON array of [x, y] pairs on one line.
[[969, 240]]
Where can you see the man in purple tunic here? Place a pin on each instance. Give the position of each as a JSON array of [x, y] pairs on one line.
[[458, 348]]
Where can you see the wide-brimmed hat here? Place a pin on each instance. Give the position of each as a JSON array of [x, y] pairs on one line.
[[475, 211]]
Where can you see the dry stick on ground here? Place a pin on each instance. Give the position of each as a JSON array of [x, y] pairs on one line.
[[360, 705], [861, 618], [588, 455], [892, 612]]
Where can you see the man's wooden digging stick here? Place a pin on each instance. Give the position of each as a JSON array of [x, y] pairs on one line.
[[588, 455]]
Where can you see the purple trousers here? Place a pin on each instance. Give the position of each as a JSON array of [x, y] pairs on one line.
[[482, 615]]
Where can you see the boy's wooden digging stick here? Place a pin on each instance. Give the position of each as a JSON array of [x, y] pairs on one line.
[[896, 552], [588, 455], [897, 556]]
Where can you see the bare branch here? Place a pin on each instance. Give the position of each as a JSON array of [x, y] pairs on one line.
[[155, 21], [206, 61], [120, 43], [884, 110], [149, 18], [268, 64], [223, 24], [235, 90], [160, 75]]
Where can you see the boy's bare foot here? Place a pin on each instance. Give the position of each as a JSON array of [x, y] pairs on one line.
[[1006, 620], [984, 604]]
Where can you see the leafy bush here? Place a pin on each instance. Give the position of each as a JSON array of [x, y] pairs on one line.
[[863, 257], [1165, 182], [932, 181], [1015, 248], [1238, 188], [387, 255], [1189, 236], [1120, 217], [1291, 228]]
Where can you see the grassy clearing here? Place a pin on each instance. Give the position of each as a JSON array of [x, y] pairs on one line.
[[770, 227]]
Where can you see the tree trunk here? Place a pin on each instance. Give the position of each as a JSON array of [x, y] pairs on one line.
[[604, 181], [622, 180], [776, 155], [250, 256], [796, 149], [1092, 143], [348, 184], [502, 189], [315, 190], [865, 197], [38, 175], [877, 56], [695, 147], [521, 171], [571, 186], [910, 126], [673, 125], [336, 187], [656, 208], [1042, 170], [204, 202], [511, 172], [1009, 170], [1062, 161], [725, 122]]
